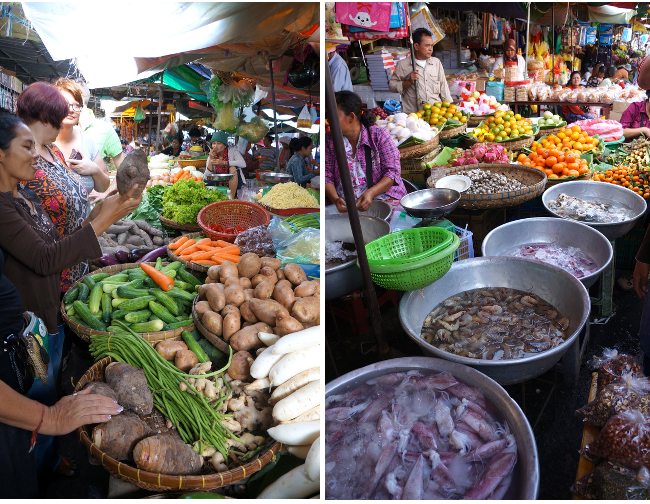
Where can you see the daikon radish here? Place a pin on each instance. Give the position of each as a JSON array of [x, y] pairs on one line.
[[296, 433], [299, 402], [307, 416], [261, 384], [264, 362], [297, 341], [292, 485], [293, 363], [268, 338], [312, 462], [293, 384], [300, 451]]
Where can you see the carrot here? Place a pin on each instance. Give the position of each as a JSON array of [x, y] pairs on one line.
[[186, 176], [178, 175], [162, 280], [225, 257], [233, 249], [221, 243], [202, 255], [187, 244], [177, 243], [204, 241], [207, 248], [205, 262]]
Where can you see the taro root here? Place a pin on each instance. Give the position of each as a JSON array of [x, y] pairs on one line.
[[133, 170]]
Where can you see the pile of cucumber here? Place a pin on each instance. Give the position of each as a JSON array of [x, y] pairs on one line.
[[134, 299]]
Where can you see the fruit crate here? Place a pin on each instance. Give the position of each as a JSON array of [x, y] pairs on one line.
[[479, 222], [415, 170], [627, 248]]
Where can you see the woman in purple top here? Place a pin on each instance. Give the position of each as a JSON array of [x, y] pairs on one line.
[[635, 120], [363, 140]]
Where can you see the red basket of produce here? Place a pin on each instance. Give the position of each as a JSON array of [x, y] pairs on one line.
[[224, 220]]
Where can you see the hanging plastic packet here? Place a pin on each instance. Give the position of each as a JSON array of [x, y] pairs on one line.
[[302, 248], [226, 119], [253, 131], [304, 119]]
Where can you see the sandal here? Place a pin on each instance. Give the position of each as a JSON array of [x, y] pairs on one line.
[[66, 468], [626, 282]]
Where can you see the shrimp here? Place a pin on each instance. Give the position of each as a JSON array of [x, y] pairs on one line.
[[529, 301]]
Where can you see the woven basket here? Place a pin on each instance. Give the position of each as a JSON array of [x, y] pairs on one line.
[[175, 225], [230, 213], [553, 182], [419, 150], [474, 121], [163, 482], [197, 163], [554, 131], [452, 132], [210, 336], [85, 333], [512, 145], [534, 179], [188, 265]]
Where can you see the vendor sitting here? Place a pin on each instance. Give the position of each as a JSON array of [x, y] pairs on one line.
[[297, 166], [510, 55], [222, 160], [373, 158], [197, 139], [573, 113], [174, 149], [635, 120]]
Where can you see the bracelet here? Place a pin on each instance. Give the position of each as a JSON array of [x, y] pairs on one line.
[[38, 427]]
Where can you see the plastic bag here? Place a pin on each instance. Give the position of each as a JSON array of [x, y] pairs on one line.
[[211, 89], [226, 119], [246, 194], [139, 114], [279, 231], [496, 89], [611, 367], [611, 481], [304, 119], [253, 131], [257, 241], [303, 248]]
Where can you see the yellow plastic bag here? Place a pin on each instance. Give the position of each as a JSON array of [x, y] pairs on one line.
[[226, 119]]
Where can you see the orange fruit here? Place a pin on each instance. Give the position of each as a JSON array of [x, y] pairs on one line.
[[550, 161], [574, 173], [573, 166], [554, 176], [521, 157], [557, 168]]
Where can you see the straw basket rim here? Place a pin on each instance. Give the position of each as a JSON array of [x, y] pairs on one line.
[[217, 235], [217, 341], [197, 163], [419, 150], [453, 132], [189, 265], [514, 144], [546, 132], [175, 225], [86, 333], [161, 482]]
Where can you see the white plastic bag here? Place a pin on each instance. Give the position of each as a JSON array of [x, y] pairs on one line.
[[304, 119]]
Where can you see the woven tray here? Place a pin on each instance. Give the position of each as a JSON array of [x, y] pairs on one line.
[[197, 163], [85, 333], [175, 225], [474, 121], [552, 182], [188, 265], [452, 132], [217, 341], [419, 150], [512, 145], [546, 132], [534, 179], [163, 482]]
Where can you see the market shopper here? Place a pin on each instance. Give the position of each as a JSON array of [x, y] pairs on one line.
[[373, 158], [174, 149], [573, 113], [196, 138], [252, 164], [607, 81], [429, 78], [223, 159], [285, 152], [338, 69], [267, 154], [510, 56], [640, 281], [297, 167], [621, 73], [33, 254], [595, 78], [636, 120], [126, 148]]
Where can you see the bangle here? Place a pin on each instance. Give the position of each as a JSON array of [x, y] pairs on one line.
[[38, 427]]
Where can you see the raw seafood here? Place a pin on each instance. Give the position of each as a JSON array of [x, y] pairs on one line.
[[407, 436], [495, 324], [337, 252], [487, 182], [588, 211], [570, 259]]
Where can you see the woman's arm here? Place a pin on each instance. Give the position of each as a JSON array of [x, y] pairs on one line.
[[332, 195], [635, 132], [236, 159], [300, 173], [365, 200], [99, 161]]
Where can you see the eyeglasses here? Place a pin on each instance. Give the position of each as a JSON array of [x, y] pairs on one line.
[[75, 107]]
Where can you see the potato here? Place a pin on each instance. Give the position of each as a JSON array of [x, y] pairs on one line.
[[201, 307], [247, 314], [234, 295], [240, 367], [168, 349], [101, 388], [231, 324], [307, 289], [257, 279], [271, 262], [295, 274], [203, 290], [133, 170], [270, 274], [209, 281], [249, 294], [306, 309], [220, 285], [213, 322], [213, 272], [264, 290], [267, 310], [246, 324], [280, 273], [228, 269], [229, 309], [185, 360], [286, 325], [283, 294], [216, 297], [245, 283], [249, 265], [246, 338]]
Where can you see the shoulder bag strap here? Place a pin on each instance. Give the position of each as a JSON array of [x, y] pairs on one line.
[[369, 181]]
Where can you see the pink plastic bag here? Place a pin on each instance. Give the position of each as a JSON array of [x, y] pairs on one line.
[[373, 15]]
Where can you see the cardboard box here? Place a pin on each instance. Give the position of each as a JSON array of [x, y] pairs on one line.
[[615, 116], [620, 106]]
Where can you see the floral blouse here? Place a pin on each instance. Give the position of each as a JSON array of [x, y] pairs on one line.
[[65, 199]]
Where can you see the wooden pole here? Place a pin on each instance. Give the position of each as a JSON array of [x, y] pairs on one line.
[[160, 100], [528, 39], [275, 119]]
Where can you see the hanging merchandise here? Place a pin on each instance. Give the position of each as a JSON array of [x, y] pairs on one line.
[[304, 119], [375, 15], [139, 114], [226, 119], [396, 19], [495, 29], [253, 131], [473, 26], [332, 28], [240, 94], [304, 70], [171, 131]]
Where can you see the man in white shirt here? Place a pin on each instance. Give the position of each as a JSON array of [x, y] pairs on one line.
[[338, 70]]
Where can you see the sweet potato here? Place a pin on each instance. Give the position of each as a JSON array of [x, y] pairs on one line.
[[247, 339], [213, 272], [307, 310], [213, 322], [231, 324], [168, 349], [283, 294], [295, 274], [228, 269], [271, 262], [264, 290], [201, 307], [245, 283], [307, 289], [118, 437], [101, 388], [216, 297], [240, 367], [286, 324], [234, 295], [249, 294], [267, 310], [130, 387], [166, 454], [185, 360], [133, 170], [247, 314], [249, 265]]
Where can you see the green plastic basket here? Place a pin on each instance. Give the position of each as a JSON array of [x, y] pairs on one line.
[[418, 274], [407, 246]]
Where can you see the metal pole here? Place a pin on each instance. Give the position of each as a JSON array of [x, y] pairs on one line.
[[275, 120], [150, 123], [353, 214], [528, 41], [553, 39], [459, 51], [160, 100], [415, 84]]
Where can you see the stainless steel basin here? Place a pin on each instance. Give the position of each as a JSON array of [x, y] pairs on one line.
[[561, 289], [607, 193], [526, 475], [342, 279], [563, 232], [275, 177], [378, 208]]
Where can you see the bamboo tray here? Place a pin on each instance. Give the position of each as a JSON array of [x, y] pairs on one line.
[[445, 134], [217, 341], [189, 265], [163, 482], [589, 434], [86, 333], [175, 225], [419, 150]]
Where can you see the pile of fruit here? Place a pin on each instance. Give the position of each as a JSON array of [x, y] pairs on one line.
[[570, 139], [550, 121], [438, 113], [556, 163], [503, 126], [637, 153], [379, 113], [625, 176], [479, 153]]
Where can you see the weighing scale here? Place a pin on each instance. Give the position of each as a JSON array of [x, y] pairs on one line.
[[432, 206]]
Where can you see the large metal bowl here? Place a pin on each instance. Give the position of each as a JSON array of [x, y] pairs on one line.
[[563, 232], [429, 203], [219, 177], [607, 193], [526, 476], [554, 285], [342, 279], [275, 177], [378, 208]]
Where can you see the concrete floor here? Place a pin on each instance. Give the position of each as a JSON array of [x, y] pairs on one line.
[[559, 431]]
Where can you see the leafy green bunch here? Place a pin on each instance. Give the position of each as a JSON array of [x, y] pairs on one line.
[[184, 200]]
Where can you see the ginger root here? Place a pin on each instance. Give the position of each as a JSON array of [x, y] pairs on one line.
[[250, 417], [250, 441], [218, 462]]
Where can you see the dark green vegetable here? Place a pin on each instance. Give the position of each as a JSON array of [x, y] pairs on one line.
[[161, 312], [194, 346], [84, 292], [124, 291], [159, 263], [119, 278], [184, 285], [95, 298], [138, 316], [107, 308], [147, 327], [174, 266], [84, 312], [71, 295], [166, 301], [179, 324], [186, 276], [181, 294], [98, 277], [137, 303], [119, 314], [148, 282], [89, 282]]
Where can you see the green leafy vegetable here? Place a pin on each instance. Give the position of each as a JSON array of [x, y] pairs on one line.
[[184, 200], [150, 207]]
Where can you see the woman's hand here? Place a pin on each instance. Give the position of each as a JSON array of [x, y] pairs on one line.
[[340, 205], [640, 279], [113, 208], [364, 201], [83, 167], [83, 408]]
